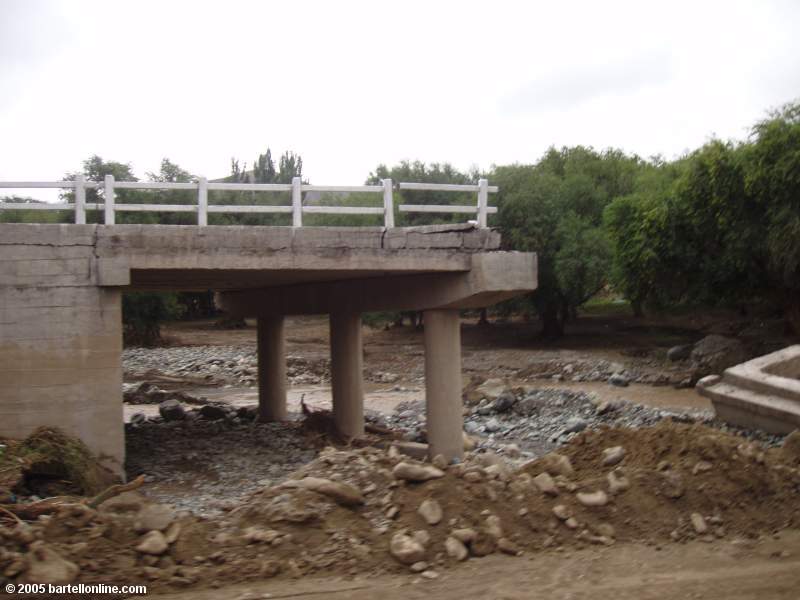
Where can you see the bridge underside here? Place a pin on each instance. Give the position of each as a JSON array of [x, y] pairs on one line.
[[60, 303]]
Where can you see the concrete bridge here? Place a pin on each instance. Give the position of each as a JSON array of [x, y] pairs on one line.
[[60, 309]]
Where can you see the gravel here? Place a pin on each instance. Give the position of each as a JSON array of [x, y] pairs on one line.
[[543, 419]]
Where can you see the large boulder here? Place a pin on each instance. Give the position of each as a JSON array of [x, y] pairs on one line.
[[715, 353]]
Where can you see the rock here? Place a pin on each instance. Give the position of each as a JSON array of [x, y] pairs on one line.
[[673, 486], [406, 549], [493, 526], [439, 461], [572, 523], [506, 546], [464, 535], [153, 517], [455, 548], [482, 544], [715, 353], [171, 410], [153, 543], [605, 530], [619, 380], [429, 574], [491, 388], [617, 482], [213, 412], [498, 471], [603, 407], [422, 537], [416, 472], [469, 443], [598, 498], [259, 535], [431, 511], [557, 464], [45, 565], [342, 493], [561, 512], [575, 425], [613, 456], [699, 523], [492, 426], [681, 352], [504, 402], [546, 484], [512, 450], [419, 567], [173, 532]]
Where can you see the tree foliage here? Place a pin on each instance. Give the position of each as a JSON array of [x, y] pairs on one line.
[[720, 226], [555, 208]]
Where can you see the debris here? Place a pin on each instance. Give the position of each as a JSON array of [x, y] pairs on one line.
[[342, 493], [431, 511], [598, 498], [45, 565], [406, 549], [613, 456], [455, 548], [416, 472], [153, 542]]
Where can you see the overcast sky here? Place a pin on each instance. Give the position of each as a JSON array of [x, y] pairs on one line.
[[350, 85]]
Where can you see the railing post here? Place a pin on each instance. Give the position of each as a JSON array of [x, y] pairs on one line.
[[483, 201], [202, 201], [388, 204], [297, 202], [109, 200], [80, 200]]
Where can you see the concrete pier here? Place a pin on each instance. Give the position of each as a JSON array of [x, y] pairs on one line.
[[443, 383], [347, 374], [271, 368]]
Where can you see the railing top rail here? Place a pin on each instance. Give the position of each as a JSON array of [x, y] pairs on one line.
[[446, 187], [202, 207]]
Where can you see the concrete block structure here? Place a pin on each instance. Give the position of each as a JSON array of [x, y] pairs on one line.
[[763, 392], [60, 310]]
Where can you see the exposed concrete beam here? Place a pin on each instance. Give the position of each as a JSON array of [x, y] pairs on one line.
[[493, 277]]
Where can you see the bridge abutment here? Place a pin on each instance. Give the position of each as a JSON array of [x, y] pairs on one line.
[[60, 340]]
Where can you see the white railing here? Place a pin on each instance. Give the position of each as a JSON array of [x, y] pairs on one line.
[[297, 209]]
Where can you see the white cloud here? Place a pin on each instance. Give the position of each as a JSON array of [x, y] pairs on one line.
[[352, 84]]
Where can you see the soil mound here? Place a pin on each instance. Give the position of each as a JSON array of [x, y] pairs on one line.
[[49, 463], [369, 510]]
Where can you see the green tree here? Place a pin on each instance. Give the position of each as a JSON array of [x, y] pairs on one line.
[[420, 172], [555, 208], [773, 180]]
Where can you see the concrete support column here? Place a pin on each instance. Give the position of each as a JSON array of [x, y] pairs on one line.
[[443, 383], [347, 366], [271, 369]]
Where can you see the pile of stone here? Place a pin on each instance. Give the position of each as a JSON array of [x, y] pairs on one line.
[[370, 510]]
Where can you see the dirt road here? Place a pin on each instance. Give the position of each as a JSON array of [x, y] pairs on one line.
[[731, 570]]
